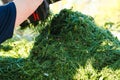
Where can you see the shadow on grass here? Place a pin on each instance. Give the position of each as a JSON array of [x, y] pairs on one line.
[[6, 47], [11, 68]]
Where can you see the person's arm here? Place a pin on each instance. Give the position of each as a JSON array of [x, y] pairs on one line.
[[13, 14], [24, 8]]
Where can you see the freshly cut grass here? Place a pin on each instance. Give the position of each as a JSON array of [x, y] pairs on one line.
[[71, 41], [70, 47]]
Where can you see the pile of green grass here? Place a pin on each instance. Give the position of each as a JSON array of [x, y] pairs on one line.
[[70, 47], [73, 40]]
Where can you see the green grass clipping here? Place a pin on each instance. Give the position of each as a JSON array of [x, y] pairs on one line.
[[70, 47]]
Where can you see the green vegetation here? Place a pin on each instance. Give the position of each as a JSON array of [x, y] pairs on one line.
[[70, 47]]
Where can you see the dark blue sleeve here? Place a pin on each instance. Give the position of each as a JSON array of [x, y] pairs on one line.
[[7, 21]]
